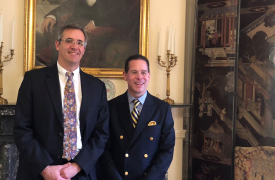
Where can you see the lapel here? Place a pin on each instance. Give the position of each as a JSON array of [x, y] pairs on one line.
[[52, 83], [124, 114], [146, 114], [87, 93]]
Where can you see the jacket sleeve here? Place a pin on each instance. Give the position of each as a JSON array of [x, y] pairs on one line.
[[29, 148], [93, 149], [164, 155]]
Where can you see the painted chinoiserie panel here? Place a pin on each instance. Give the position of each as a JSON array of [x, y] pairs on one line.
[[234, 92], [255, 81], [254, 154], [214, 70]]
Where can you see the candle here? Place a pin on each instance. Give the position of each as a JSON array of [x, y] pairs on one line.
[[2, 27], [175, 39], [172, 50], [12, 37], [169, 35], [159, 42]]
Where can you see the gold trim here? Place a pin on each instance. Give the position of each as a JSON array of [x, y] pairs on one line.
[[29, 40], [144, 27]]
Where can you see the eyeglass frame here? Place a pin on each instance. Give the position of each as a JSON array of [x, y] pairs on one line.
[[74, 42]]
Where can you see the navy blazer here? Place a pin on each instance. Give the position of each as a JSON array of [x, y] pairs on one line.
[[38, 127], [145, 152]]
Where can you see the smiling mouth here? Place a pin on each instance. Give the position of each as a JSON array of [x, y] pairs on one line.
[[73, 53], [139, 83]]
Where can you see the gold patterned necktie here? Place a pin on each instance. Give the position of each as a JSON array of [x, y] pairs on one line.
[[69, 113], [135, 113]]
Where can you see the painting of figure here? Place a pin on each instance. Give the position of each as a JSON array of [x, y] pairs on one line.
[[112, 27]]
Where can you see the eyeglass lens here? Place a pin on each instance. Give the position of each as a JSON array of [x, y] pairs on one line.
[[71, 41]]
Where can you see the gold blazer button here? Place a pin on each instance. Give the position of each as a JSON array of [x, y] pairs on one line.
[[126, 155], [126, 173], [121, 137], [151, 138], [146, 155]]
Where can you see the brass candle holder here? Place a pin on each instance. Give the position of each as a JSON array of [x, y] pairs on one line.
[[172, 61], [6, 59]]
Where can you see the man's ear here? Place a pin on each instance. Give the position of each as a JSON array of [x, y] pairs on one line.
[[124, 75], [57, 43]]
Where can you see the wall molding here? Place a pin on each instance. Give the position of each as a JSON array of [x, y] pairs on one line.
[[180, 133]]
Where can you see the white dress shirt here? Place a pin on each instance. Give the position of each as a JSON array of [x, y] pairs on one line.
[[78, 95]]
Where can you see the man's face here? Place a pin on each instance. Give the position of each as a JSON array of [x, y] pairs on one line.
[[70, 54], [137, 77]]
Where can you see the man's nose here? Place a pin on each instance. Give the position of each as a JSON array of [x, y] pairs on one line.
[[139, 75], [74, 45]]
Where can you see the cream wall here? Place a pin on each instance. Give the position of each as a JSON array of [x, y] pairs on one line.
[[13, 70], [161, 13]]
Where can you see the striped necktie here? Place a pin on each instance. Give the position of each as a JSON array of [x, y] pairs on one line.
[[135, 113], [69, 115]]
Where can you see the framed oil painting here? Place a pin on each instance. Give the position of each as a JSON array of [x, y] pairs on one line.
[[116, 30]]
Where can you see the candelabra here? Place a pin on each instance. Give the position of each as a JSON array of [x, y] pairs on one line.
[[172, 61], [6, 59]]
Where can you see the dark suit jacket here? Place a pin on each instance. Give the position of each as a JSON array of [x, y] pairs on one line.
[[149, 148], [38, 128]]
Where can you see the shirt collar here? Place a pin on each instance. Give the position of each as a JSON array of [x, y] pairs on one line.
[[62, 72], [141, 98]]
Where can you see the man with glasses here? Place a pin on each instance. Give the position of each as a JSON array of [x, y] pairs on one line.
[[142, 135], [61, 123]]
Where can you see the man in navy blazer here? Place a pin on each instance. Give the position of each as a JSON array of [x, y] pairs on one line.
[[143, 152], [39, 124]]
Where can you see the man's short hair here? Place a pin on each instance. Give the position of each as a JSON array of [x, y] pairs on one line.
[[71, 26], [135, 57]]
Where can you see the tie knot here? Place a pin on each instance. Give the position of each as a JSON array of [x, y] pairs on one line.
[[70, 74], [136, 102]]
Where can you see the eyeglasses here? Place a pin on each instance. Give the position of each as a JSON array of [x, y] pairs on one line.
[[71, 42]]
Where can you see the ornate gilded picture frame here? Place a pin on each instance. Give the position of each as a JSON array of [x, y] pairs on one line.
[[121, 30]]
